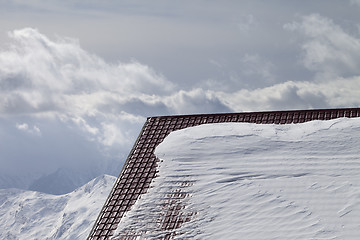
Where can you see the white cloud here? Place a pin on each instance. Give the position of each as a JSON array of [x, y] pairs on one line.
[[355, 2], [246, 23], [25, 127], [254, 65], [112, 134], [340, 92], [194, 101], [88, 110], [328, 49], [42, 77], [72, 94]]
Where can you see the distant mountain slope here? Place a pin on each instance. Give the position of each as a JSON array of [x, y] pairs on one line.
[[12, 181], [61, 181], [34, 215], [65, 180]]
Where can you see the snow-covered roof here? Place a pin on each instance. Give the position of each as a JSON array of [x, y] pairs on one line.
[[142, 168]]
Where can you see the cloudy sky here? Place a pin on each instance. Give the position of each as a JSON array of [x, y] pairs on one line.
[[78, 78]]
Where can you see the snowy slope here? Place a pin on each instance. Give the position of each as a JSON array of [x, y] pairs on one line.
[[297, 181], [34, 215]]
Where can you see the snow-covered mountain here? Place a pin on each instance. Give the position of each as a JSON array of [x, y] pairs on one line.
[[65, 180], [35, 215]]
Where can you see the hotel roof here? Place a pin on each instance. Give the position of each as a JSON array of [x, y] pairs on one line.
[[140, 167]]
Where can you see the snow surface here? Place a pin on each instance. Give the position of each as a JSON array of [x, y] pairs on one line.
[[295, 181], [35, 215]]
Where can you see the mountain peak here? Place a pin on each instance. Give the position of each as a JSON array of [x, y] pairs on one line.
[[34, 215]]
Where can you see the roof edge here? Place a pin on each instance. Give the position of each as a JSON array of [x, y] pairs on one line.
[[252, 112]]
